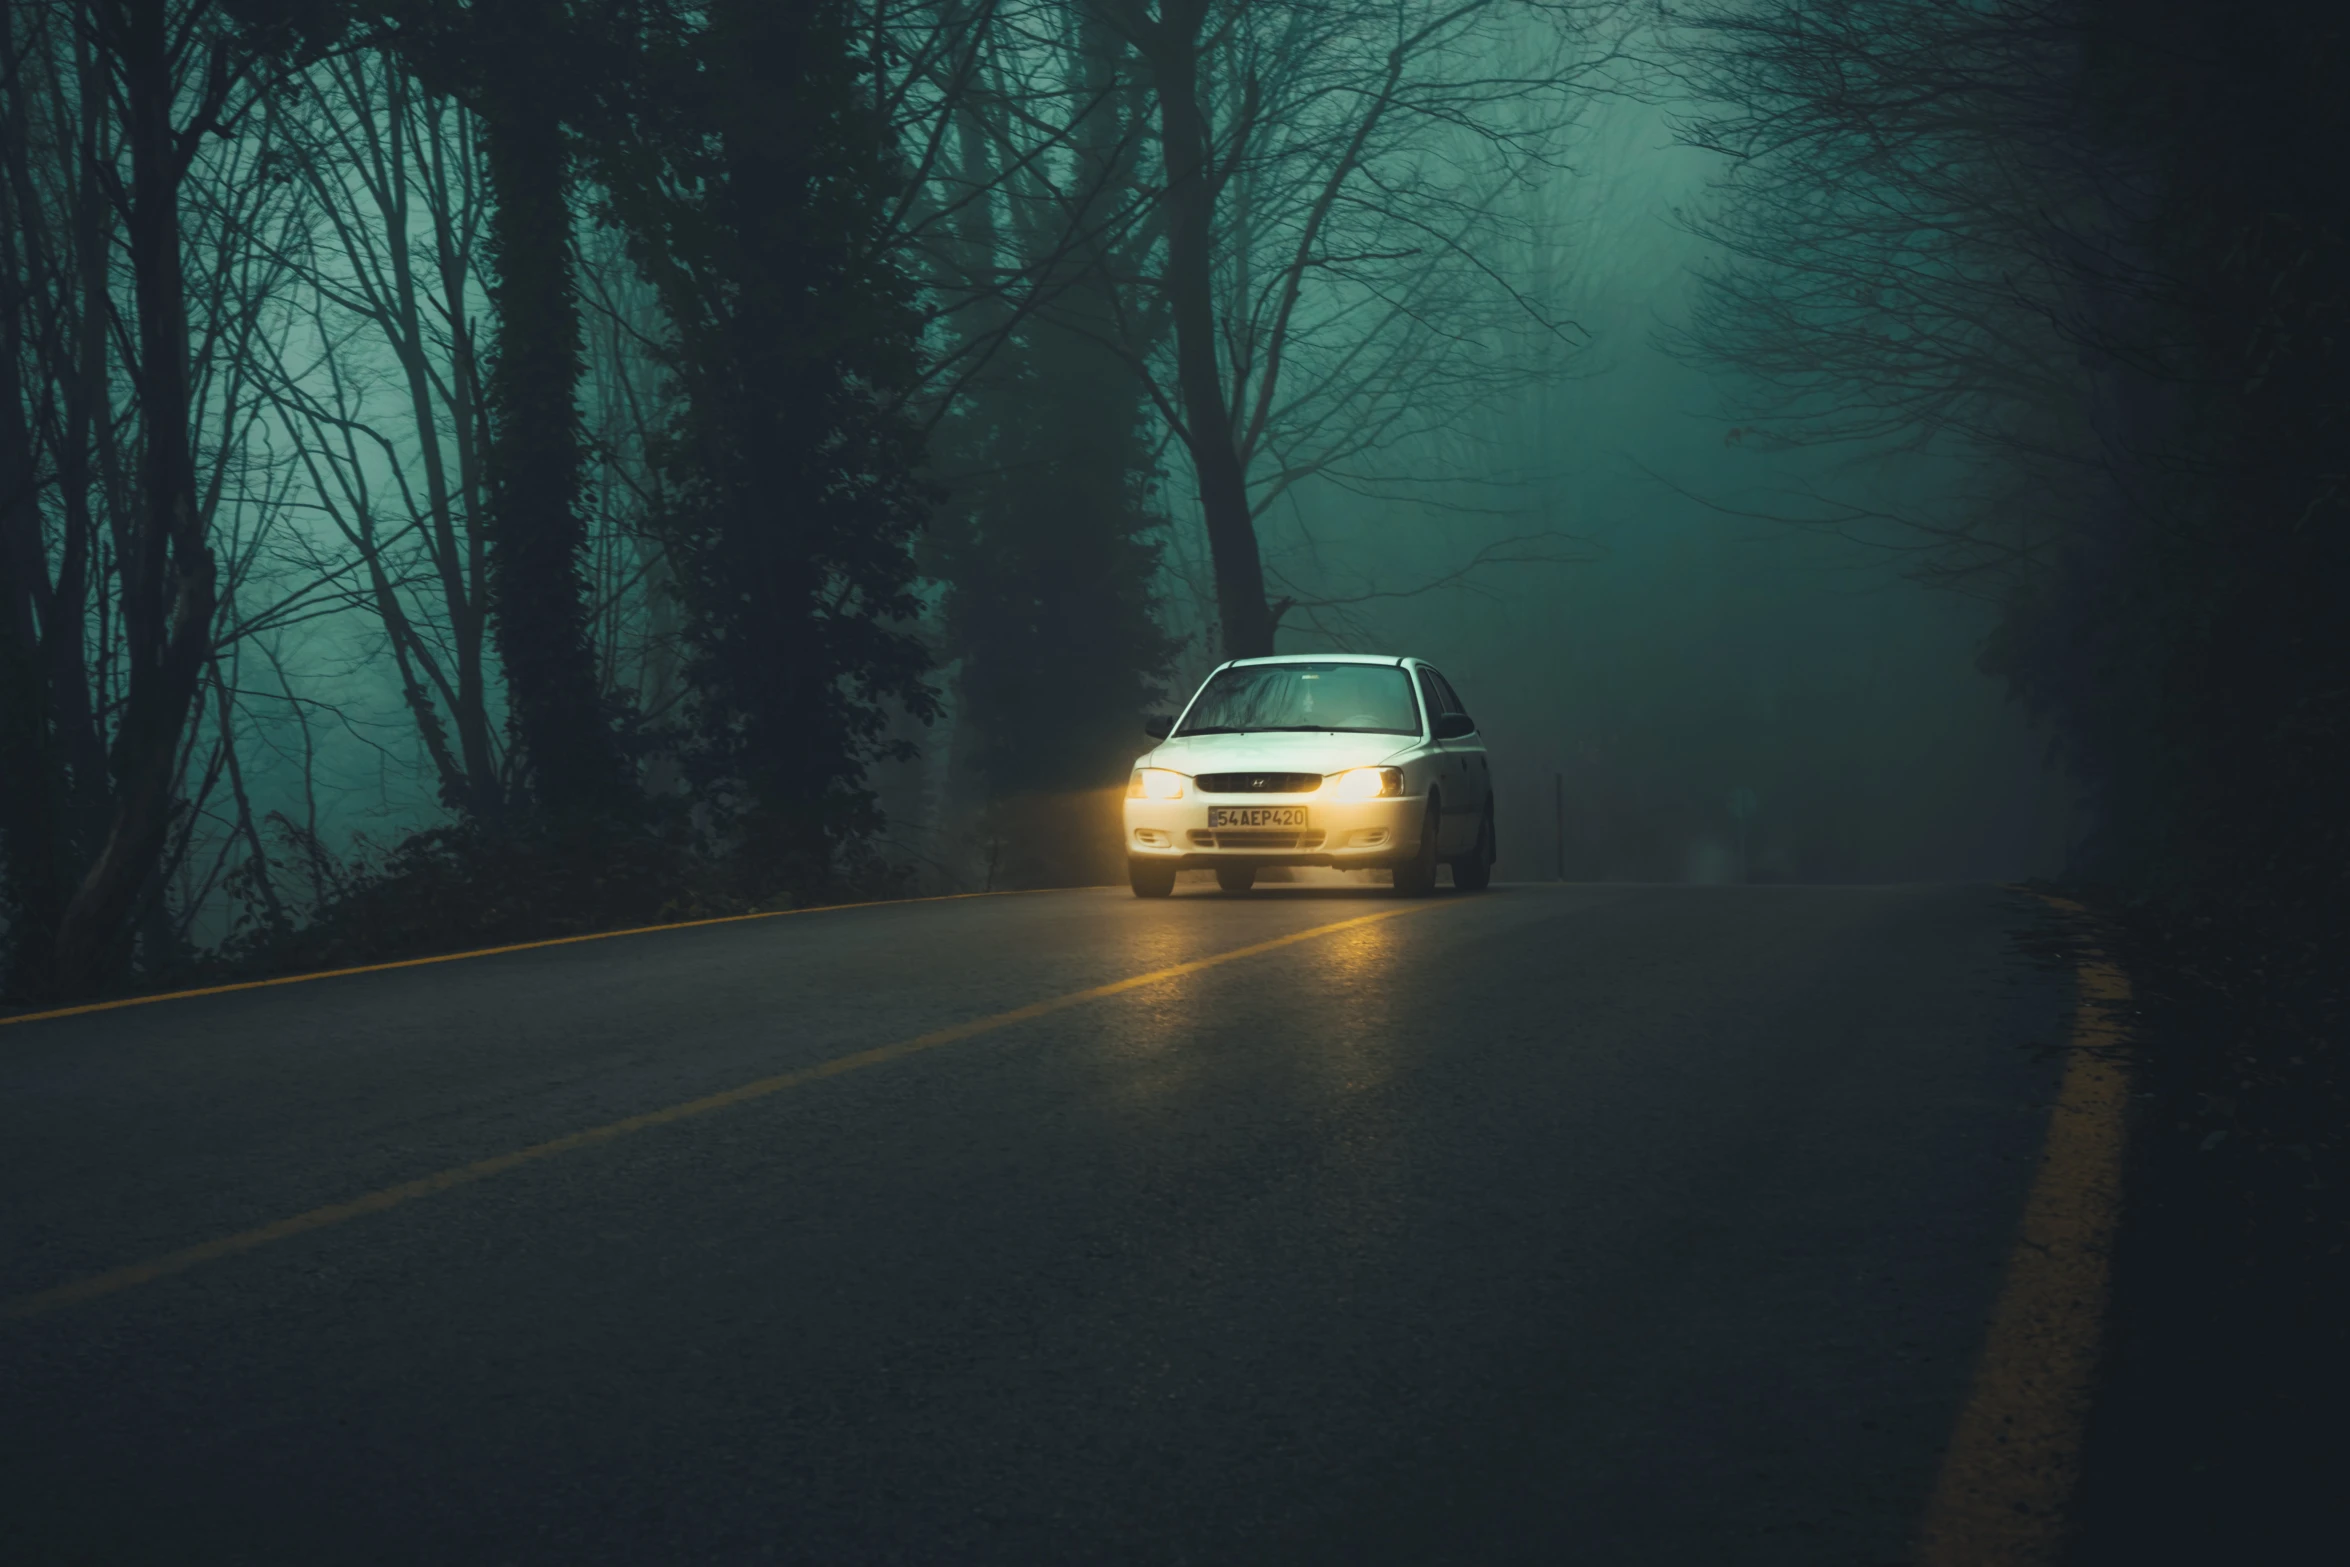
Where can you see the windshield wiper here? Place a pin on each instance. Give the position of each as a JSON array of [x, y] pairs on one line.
[[1264, 729], [1290, 729]]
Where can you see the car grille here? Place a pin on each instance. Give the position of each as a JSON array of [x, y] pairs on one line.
[[1259, 783], [1257, 838]]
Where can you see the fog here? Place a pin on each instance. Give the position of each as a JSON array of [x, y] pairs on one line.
[[1677, 684], [872, 598], [487, 474], [1691, 653]]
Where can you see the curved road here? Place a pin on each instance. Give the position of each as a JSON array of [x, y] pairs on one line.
[[1642, 1225]]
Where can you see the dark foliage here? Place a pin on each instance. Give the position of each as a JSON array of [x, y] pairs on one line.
[[463, 887], [536, 524], [1048, 540], [2216, 1434], [1049, 553], [2220, 623], [531, 70], [2195, 651], [2096, 255], [2104, 249], [754, 189]]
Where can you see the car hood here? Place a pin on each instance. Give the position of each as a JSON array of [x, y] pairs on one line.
[[1279, 753]]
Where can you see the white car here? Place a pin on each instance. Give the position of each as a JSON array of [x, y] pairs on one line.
[[1349, 760]]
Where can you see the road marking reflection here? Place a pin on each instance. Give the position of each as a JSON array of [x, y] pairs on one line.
[[119, 1002], [2014, 1457], [118, 1279]]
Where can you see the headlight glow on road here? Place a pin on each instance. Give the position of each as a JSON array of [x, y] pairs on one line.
[[1366, 783], [1154, 783]]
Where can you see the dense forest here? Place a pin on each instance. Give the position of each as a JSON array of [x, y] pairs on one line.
[[2093, 259], [641, 435], [702, 457]]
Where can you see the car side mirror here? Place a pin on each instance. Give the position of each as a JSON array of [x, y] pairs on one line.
[[1158, 725], [1455, 726]]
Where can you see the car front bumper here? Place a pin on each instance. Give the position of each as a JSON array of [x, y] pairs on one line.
[[1337, 832]]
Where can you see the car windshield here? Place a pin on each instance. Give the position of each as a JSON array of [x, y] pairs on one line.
[[1356, 698]]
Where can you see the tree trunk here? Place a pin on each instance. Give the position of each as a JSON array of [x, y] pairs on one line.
[[468, 615], [33, 838], [167, 569], [537, 527], [480, 795], [1172, 52]]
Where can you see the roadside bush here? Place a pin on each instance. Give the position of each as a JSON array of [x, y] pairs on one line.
[[455, 888]]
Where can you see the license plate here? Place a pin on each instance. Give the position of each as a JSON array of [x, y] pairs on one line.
[[1256, 816]]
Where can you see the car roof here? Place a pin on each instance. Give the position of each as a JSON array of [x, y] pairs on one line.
[[1320, 658]]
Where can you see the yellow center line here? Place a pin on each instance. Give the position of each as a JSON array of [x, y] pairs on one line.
[[2008, 1477], [491, 952], [115, 1280]]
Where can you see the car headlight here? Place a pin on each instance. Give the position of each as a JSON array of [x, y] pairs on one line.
[[1154, 783], [1366, 783]]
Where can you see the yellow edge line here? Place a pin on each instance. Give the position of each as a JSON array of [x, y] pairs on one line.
[[491, 952], [2015, 1456], [118, 1279]]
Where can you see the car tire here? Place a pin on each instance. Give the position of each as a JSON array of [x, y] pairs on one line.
[[1236, 878], [1150, 878], [1416, 877], [1475, 873]]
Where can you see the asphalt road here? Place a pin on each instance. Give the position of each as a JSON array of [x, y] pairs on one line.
[[1558, 1224]]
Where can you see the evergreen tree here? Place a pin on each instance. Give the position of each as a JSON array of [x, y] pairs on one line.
[[755, 193], [530, 69], [1049, 539], [1050, 550]]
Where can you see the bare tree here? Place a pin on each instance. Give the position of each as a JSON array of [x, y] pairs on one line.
[[633, 590], [62, 473], [392, 277], [143, 101], [154, 224], [1339, 182], [1919, 252]]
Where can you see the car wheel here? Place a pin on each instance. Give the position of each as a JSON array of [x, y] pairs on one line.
[[1416, 877], [1236, 878], [1475, 873], [1150, 878]]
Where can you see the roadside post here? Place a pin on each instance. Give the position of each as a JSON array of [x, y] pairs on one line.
[[1743, 804], [1558, 825]]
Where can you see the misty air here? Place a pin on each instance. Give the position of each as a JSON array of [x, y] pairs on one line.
[[1173, 780]]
